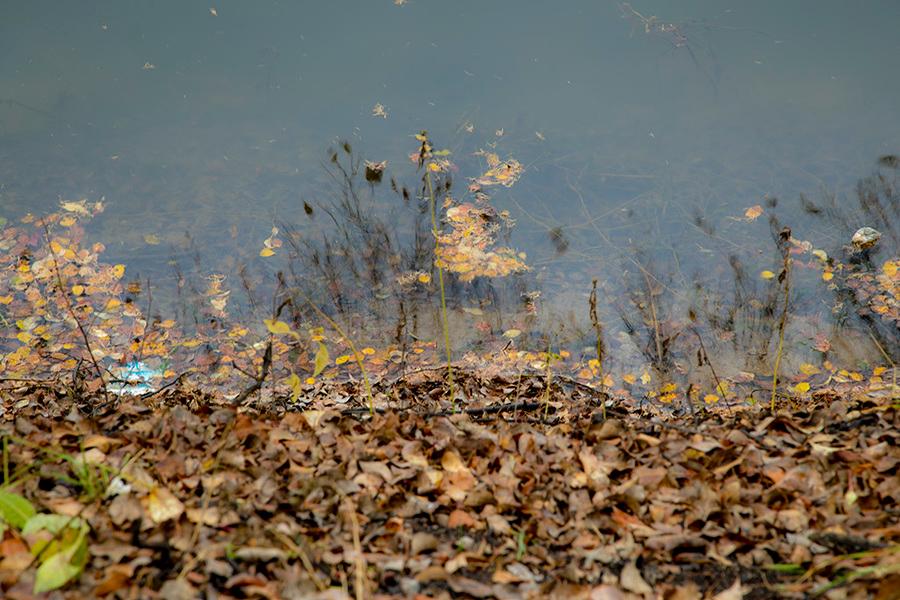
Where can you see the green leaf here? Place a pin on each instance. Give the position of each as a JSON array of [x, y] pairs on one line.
[[322, 359], [15, 510], [56, 571], [65, 559], [49, 522]]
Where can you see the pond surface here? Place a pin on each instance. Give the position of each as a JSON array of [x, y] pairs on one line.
[[665, 146]]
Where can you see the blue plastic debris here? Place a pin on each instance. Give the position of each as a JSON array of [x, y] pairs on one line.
[[135, 378]]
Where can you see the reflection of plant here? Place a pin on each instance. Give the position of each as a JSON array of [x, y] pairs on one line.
[[659, 330], [784, 247], [426, 159], [866, 289]]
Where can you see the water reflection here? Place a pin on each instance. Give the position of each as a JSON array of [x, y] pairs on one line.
[[645, 134]]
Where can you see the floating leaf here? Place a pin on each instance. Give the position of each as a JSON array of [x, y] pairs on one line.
[[266, 252], [512, 333], [753, 212], [278, 327], [767, 274]]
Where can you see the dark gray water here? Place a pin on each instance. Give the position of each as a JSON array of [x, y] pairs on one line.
[[646, 130]]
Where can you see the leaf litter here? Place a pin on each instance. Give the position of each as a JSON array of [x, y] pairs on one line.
[[509, 504]]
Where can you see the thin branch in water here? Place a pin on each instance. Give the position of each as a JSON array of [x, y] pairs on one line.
[[71, 309]]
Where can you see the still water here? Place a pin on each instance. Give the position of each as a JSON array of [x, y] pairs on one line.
[[646, 131]]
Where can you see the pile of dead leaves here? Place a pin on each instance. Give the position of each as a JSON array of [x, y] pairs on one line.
[[192, 497]]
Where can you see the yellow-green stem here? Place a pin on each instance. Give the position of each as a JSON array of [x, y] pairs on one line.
[[446, 326]]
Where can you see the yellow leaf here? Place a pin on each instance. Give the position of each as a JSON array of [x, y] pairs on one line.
[[878, 371], [802, 387], [77, 290], [368, 351], [278, 327], [341, 359], [113, 303], [767, 274], [891, 267], [645, 378], [710, 398], [79, 207], [266, 252], [119, 271], [630, 379], [820, 254], [295, 384], [310, 380], [424, 278], [151, 239], [808, 369], [512, 333], [24, 337], [322, 360], [668, 388], [162, 505], [6, 299], [753, 212], [608, 381], [827, 275], [67, 221]]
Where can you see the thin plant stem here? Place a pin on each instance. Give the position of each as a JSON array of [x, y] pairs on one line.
[[357, 355], [440, 270], [785, 235], [598, 330], [549, 380]]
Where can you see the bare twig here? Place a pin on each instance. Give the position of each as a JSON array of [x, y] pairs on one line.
[[71, 309]]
